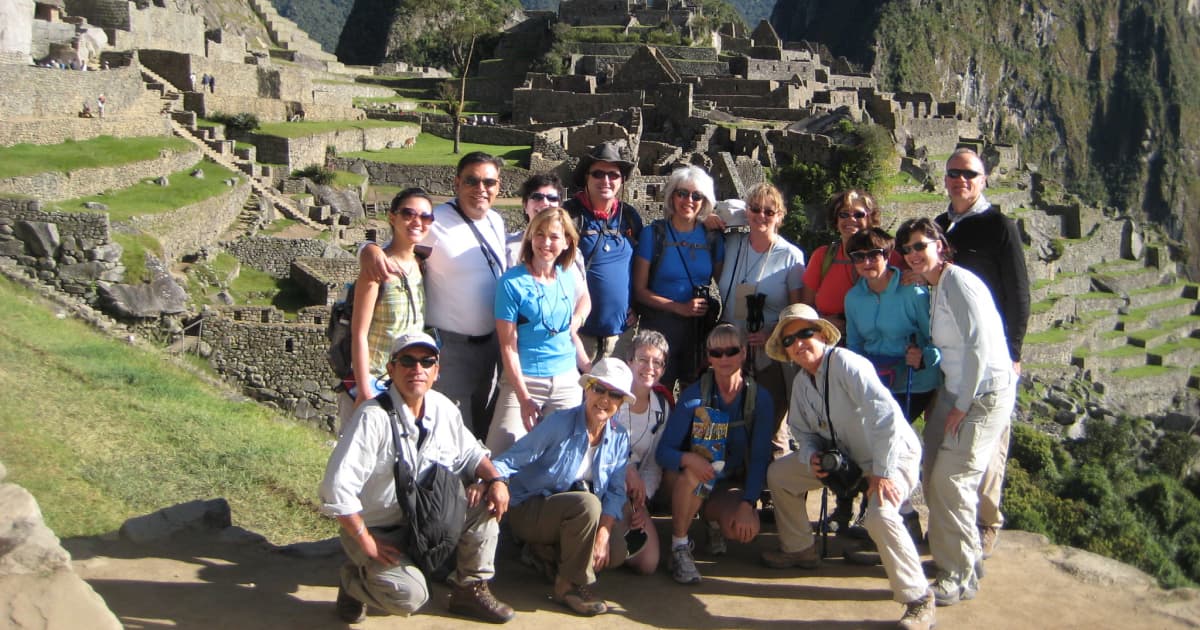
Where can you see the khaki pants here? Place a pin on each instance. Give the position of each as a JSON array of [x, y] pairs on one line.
[[401, 589], [551, 393], [992, 484], [790, 478], [954, 468], [568, 520], [611, 346]]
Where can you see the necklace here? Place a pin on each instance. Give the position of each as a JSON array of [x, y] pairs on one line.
[[543, 302]]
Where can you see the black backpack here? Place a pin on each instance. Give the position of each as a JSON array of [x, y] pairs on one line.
[[337, 331], [434, 503]]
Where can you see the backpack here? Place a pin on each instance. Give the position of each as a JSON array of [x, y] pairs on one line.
[[827, 260], [337, 331], [434, 503]]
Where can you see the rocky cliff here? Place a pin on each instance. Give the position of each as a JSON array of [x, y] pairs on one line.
[[1100, 94]]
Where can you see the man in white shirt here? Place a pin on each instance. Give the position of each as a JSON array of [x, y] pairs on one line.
[[359, 489], [461, 276]]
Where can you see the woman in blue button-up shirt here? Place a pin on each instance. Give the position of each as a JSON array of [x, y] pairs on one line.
[[566, 481]]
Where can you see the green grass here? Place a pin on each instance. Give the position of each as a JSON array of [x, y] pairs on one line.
[[1143, 371], [100, 431], [134, 247], [1140, 313], [346, 179], [1096, 295], [1045, 305], [433, 150], [1166, 328], [255, 288], [313, 127], [1189, 343], [918, 196], [28, 159], [147, 197], [1053, 335], [279, 225], [1121, 352]]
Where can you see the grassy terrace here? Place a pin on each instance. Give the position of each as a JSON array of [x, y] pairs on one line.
[[28, 159], [314, 127], [100, 432], [149, 198], [437, 151]]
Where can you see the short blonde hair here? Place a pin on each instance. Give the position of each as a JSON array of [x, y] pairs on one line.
[[540, 222], [724, 334]]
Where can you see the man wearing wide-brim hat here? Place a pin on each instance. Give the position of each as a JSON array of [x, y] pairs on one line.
[[608, 231], [838, 403]]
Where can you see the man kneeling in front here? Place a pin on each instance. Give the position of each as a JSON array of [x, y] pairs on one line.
[[359, 489]]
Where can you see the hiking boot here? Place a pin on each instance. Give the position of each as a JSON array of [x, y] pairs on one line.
[[476, 600], [716, 540], [682, 565], [805, 559], [582, 601], [919, 614], [947, 592], [348, 609], [988, 537]]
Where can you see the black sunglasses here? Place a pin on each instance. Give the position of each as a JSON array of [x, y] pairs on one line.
[[919, 246], [965, 173], [857, 214], [615, 394], [410, 362], [551, 197], [599, 174], [803, 333], [408, 214], [684, 194], [731, 351], [863, 255], [764, 211], [472, 181]]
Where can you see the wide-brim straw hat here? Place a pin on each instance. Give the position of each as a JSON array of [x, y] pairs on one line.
[[802, 312], [603, 152], [615, 374]]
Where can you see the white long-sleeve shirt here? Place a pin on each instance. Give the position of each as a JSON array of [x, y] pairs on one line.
[[967, 328]]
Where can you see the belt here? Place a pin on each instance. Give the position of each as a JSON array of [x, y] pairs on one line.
[[471, 339]]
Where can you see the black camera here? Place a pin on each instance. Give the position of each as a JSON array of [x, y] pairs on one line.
[[703, 291], [581, 485], [709, 294], [754, 311], [845, 477]]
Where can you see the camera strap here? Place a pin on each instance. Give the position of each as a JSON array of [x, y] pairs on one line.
[[493, 260], [828, 417]]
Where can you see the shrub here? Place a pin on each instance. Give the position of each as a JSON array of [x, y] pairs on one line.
[[317, 173], [241, 123]]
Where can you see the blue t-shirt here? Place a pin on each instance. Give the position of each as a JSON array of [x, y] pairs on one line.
[[542, 313], [686, 260], [607, 251]]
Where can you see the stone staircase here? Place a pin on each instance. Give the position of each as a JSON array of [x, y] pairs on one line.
[[290, 40]]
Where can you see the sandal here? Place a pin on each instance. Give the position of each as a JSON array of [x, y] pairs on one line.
[[583, 602]]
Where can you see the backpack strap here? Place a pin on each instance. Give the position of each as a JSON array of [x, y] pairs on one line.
[[830, 253], [660, 240]]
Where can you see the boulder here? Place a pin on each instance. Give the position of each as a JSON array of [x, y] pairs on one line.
[[162, 181], [82, 272], [345, 202], [40, 237], [198, 174], [26, 544], [160, 296], [191, 516], [95, 205]]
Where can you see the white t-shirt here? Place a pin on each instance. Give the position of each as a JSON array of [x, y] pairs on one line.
[[645, 430], [460, 286]]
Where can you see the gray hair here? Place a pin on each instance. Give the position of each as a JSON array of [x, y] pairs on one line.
[[648, 338], [697, 177], [970, 152]]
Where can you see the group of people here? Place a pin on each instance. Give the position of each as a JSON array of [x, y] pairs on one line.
[[562, 347]]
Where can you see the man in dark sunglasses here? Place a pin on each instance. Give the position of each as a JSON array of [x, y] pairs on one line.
[[409, 419], [987, 243]]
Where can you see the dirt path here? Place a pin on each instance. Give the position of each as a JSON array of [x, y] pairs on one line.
[[211, 581]]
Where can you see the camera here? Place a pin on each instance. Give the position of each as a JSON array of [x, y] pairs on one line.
[[844, 476], [581, 485], [703, 291], [754, 311]]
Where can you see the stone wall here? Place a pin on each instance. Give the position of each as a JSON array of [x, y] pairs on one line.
[[482, 134], [191, 228], [221, 45], [31, 92], [54, 131], [297, 153], [68, 250], [149, 26], [46, 33], [274, 256], [322, 279], [54, 186], [547, 106], [283, 363], [17, 36], [768, 69], [438, 180], [939, 135], [686, 53]]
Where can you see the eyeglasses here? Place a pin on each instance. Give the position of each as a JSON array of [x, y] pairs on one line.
[[768, 212], [857, 214], [408, 214], [919, 246], [965, 173], [472, 181], [731, 351], [863, 255], [695, 195], [551, 197], [803, 333], [600, 389], [657, 364], [410, 362], [599, 174]]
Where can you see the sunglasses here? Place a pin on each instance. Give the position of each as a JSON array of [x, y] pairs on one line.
[[599, 174], [857, 215], [408, 214], [863, 255], [411, 362], [615, 394], [731, 351], [472, 181], [919, 246], [965, 173], [763, 211], [695, 195], [537, 196], [803, 333]]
